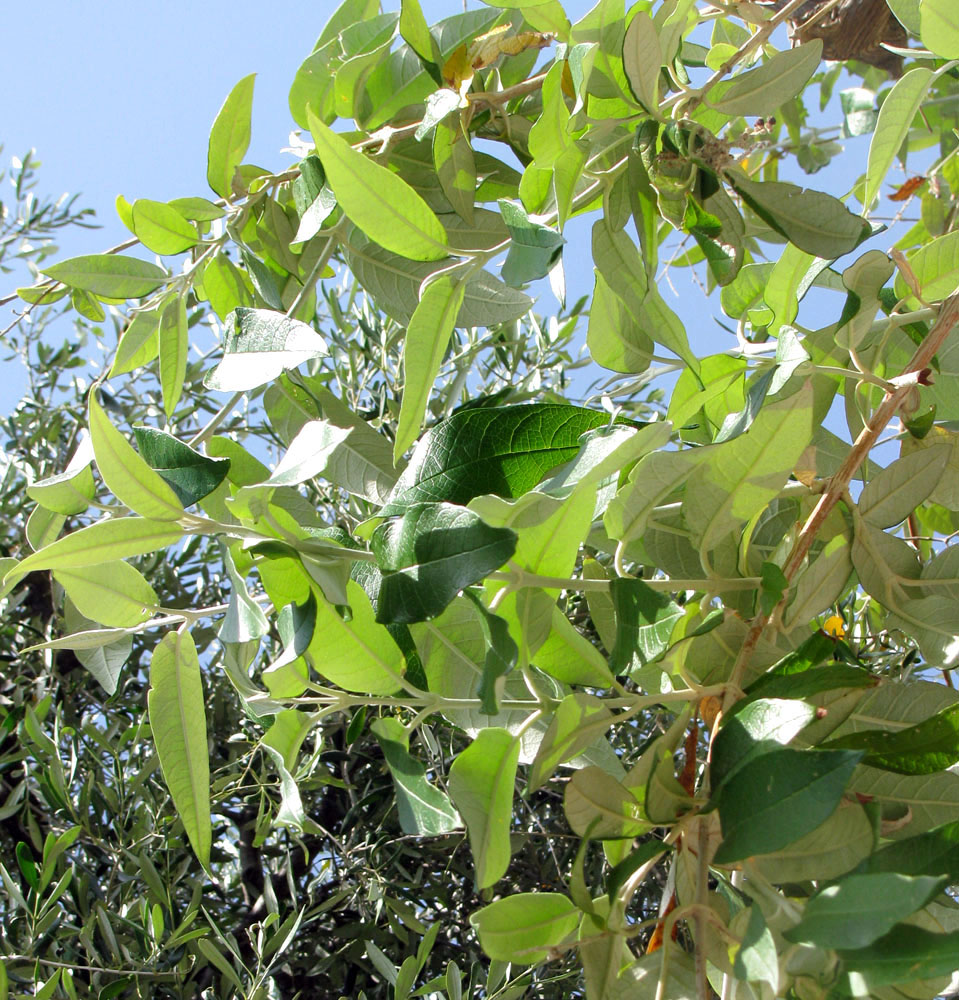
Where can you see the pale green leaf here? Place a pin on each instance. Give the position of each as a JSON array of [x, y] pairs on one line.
[[109, 275], [896, 115], [939, 27], [178, 723], [112, 593], [426, 342], [380, 202], [481, 786], [161, 228], [523, 927], [309, 453], [230, 137], [174, 341], [127, 476], [259, 344], [762, 91]]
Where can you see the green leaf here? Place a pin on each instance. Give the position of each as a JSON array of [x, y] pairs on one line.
[[643, 59], [640, 856], [939, 27], [600, 807], [776, 798], [831, 850], [359, 654], [127, 476], [935, 852], [614, 338], [861, 908], [70, 491], [927, 747], [756, 958], [481, 784], [762, 91], [178, 723], [109, 275], [455, 168], [115, 538], [259, 344], [309, 453], [415, 30], [174, 343], [197, 209], [424, 810], [534, 248], [501, 450], [758, 727], [644, 623], [523, 927], [244, 619], [811, 220], [161, 228], [139, 343], [190, 475], [394, 282], [426, 342], [431, 553], [578, 721], [112, 593], [890, 497], [896, 116], [502, 654], [935, 266], [230, 137], [101, 651], [378, 201], [905, 954], [907, 13]]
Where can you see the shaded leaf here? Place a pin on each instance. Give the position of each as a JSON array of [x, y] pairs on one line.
[[190, 475]]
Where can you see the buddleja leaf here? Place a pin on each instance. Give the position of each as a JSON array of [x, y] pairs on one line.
[[129, 478], [503, 450], [427, 556], [423, 808], [380, 202], [811, 220], [191, 476], [779, 796], [481, 785], [230, 137], [258, 345], [929, 746], [178, 722], [109, 275]]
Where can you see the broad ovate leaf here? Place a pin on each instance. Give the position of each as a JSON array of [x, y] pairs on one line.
[[112, 593], [126, 474], [380, 202], [109, 275], [259, 344]]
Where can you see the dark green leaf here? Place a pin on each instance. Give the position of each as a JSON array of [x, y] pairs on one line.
[[927, 747], [640, 856], [935, 852], [501, 450], [758, 727], [860, 908], [905, 954], [189, 474], [778, 797], [427, 556]]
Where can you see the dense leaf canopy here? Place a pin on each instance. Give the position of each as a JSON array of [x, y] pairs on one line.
[[381, 624]]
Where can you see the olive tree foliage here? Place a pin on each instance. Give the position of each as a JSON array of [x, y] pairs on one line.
[[425, 671]]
